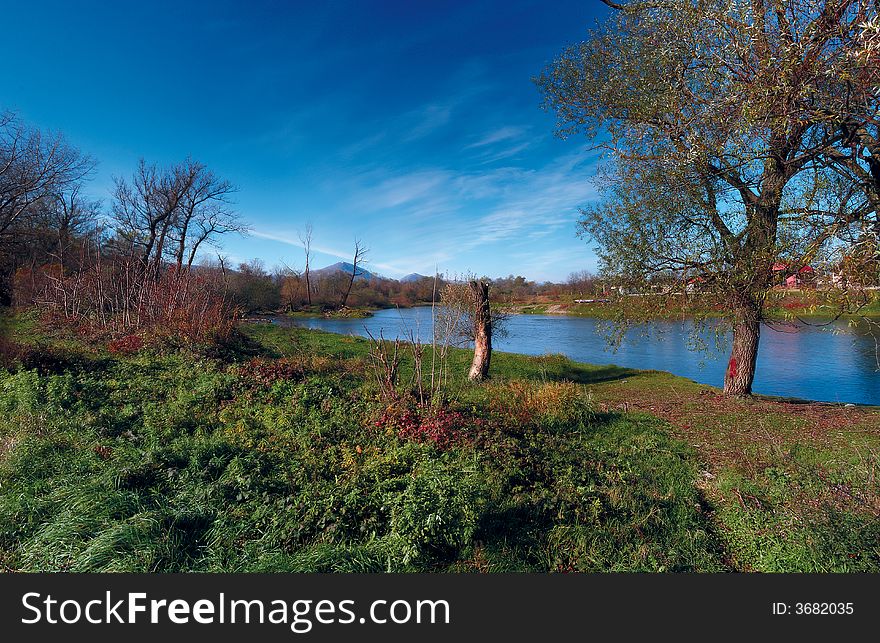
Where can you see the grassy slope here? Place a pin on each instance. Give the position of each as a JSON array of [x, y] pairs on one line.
[[180, 462]]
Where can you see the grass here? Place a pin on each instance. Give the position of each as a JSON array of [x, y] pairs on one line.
[[564, 307], [279, 454], [782, 305]]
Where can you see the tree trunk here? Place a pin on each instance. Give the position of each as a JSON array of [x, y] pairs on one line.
[[348, 290], [482, 332], [181, 245], [308, 285], [741, 367], [754, 274], [5, 286]]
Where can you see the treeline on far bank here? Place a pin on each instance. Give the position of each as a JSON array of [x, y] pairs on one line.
[[255, 288]]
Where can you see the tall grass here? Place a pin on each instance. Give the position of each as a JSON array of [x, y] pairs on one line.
[[152, 462], [294, 461]]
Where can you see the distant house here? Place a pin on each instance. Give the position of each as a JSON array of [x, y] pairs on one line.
[[785, 278]]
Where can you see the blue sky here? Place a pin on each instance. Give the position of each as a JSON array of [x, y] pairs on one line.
[[413, 126]]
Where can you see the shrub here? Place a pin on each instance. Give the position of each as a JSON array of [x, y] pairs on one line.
[[547, 404], [125, 345], [436, 515], [439, 426], [122, 296]]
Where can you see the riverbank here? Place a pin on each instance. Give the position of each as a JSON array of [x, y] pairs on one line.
[[278, 453], [316, 312], [782, 307]]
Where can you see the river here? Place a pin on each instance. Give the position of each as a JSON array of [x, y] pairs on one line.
[[836, 363]]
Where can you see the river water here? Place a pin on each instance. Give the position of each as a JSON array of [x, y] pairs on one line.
[[836, 363]]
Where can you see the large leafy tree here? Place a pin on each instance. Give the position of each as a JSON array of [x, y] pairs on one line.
[[712, 114]]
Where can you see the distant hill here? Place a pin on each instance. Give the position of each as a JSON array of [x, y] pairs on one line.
[[414, 276], [345, 267]]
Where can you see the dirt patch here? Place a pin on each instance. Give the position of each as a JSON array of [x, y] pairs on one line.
[[745, 434]]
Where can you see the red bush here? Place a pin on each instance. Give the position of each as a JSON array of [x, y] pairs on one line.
[[125, 345], [267, 372], [439, 426], [795, 304], [120, 296]]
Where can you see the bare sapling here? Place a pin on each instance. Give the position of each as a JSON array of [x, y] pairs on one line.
[[385, 362]]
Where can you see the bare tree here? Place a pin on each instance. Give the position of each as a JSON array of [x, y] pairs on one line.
[[465, 317], [205, 211], [289, 282], [581, 282], [360, 252], [67, 218], [306, 238], [173, 211], [145, 207], [34, 167]]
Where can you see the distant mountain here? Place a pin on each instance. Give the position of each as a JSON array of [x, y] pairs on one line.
[[345, 267], [414, 276]]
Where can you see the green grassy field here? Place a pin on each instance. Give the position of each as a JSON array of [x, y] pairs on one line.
[[279, 454]]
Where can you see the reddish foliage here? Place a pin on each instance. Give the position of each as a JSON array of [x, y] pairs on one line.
[[795, 303], [440, 426], [125, 345], [266, 372], [120, 296], [28, 283]]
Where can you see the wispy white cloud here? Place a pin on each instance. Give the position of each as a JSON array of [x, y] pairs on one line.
[[364, 144], [502, 143], [400, 190], [496, 136], [434, 186], [437, 215], [293, 240], [505, 153]]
